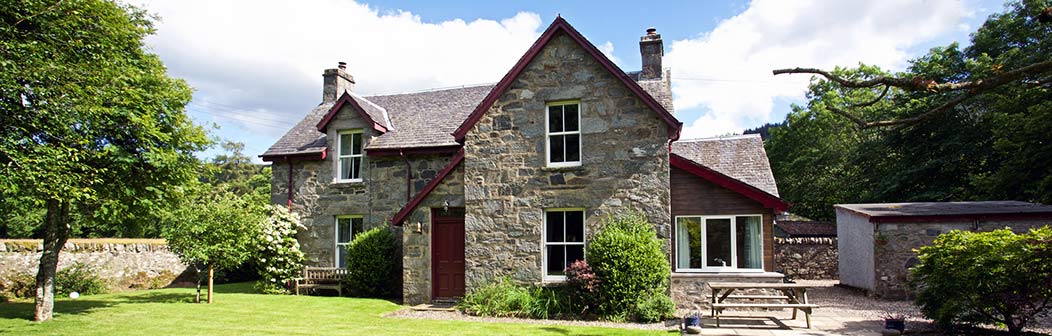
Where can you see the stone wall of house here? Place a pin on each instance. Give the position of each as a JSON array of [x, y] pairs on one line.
[[319, 200], [508, 186], [690, 290], [124, 263], [416, 239], [807, 258], [895, 242]]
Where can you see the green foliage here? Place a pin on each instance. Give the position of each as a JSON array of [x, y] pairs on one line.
[[89, 116], [215, 229], [19, 284], [373, 263], [993, 147], [81, 278], [77, 277], [628, 260], [278, 256], [654, 308], [504, 298], [989, 277]]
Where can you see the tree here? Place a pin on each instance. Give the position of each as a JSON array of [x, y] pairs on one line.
[[217, 229], [91, 123], [957, 124], [988, 277]]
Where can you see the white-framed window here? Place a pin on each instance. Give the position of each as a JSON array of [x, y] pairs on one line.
[[563, 233], [349, 156], [719, 243], [563, 134], [347, 227]]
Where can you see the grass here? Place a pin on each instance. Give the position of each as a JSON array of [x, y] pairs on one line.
[[238, 311]]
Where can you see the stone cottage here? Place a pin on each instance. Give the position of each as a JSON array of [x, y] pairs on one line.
[[877, 241], [513, 178]]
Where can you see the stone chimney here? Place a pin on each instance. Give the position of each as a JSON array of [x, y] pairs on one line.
[[651, 48], [335, 82]]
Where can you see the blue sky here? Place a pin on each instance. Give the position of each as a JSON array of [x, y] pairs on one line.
[[256, 65]]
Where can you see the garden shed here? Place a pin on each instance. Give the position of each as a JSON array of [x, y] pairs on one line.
[[876, 242]]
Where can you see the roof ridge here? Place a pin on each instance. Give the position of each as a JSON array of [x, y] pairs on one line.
[[447, 88], [725, 137], [387, 118]]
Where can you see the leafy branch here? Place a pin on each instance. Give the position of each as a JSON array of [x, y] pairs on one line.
[[965, 90]]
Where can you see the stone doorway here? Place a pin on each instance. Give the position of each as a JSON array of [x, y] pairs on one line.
[[447, 253]]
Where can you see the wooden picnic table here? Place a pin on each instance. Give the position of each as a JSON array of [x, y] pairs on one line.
[[794, 295]]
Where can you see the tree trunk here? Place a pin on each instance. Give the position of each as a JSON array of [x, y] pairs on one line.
[[210, 274], [56, 232]]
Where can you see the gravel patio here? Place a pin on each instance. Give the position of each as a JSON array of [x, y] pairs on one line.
[[843, 312]]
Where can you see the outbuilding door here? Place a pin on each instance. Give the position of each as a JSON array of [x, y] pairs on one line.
[[447, 253]]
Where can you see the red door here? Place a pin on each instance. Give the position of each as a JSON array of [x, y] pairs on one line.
[[447, 253]]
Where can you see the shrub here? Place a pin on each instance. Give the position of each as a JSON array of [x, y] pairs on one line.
[[373, 263], [654, 307], [278, 255], [20, 285], [504, 298], [501, 298], [582, 287], [627, 256], [78, 277], [989, 277]]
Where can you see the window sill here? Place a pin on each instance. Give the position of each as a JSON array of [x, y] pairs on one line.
[[736, 273], [554, 280], [347, 183], [562, 168]]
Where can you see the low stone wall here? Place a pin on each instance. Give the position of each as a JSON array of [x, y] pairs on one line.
[[125, 263], [807, 258]]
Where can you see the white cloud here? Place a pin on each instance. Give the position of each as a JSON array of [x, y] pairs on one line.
[[727, 71], [265, 58], [608, 50]]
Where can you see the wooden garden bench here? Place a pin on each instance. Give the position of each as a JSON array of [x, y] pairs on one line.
[[793, 295], [321, 278]]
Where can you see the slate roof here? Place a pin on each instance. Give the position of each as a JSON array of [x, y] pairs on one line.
[[414, 120], [304, 137], [936, 209], [807, 228], [741, 157], [427, 119]]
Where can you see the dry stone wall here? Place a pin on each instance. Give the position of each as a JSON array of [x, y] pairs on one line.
[[139, 263], [807, 258], [508, 186]]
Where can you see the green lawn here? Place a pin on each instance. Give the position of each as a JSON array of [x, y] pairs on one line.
[[237, 311]]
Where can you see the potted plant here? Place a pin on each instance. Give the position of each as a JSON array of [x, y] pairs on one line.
[[894, 320], [692, 323]]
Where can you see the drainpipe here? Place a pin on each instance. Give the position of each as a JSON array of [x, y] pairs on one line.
[[408, 177], [290, 182]]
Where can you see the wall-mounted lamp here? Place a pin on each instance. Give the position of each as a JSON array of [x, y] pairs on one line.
[[445, 206], [418, 228]]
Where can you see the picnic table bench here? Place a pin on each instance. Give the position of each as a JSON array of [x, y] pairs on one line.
[[321, 278], [794, 295]]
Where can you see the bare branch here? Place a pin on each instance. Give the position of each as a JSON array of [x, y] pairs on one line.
[[918, 84], [875, 100], [971, 89]]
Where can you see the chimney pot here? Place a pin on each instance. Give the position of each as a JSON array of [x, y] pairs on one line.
[[651, 48], [335, 82]]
